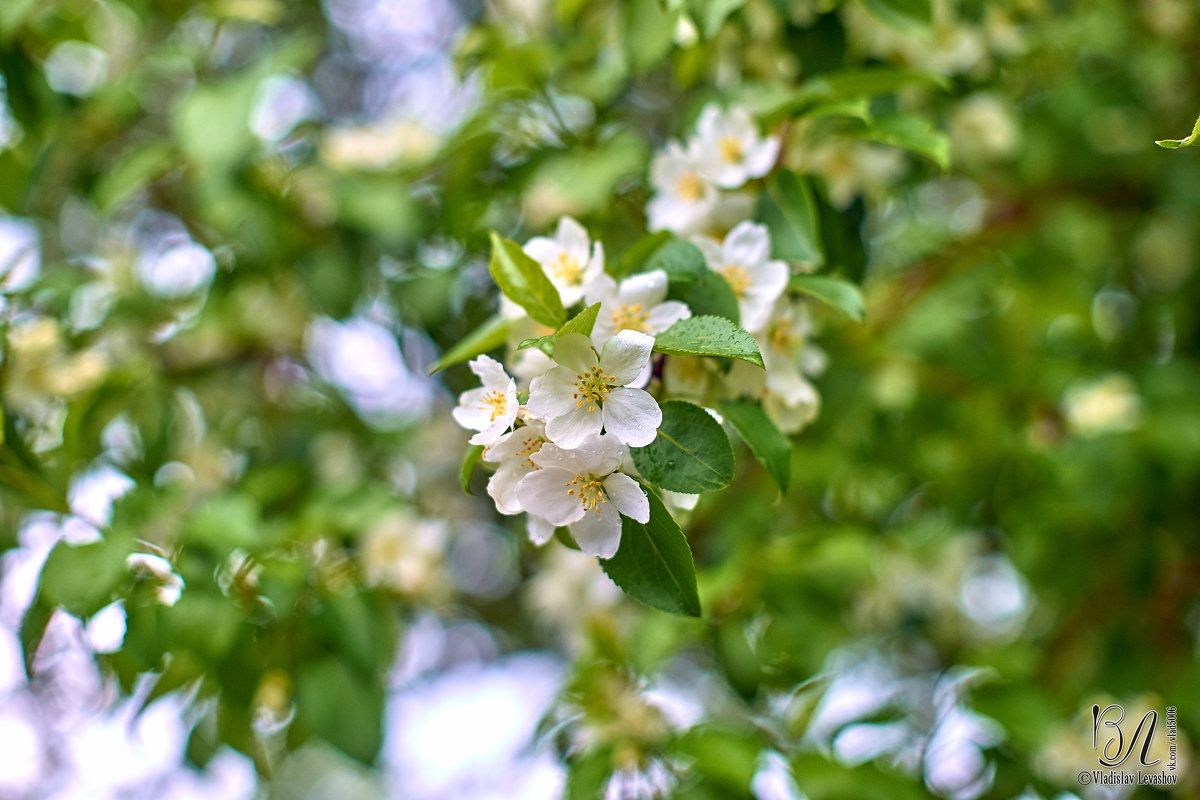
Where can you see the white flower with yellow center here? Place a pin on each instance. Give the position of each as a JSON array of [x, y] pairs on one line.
[[730, 150], [492, 408], [744, 260], [683, 198], [638, 303], [569, 259], [584, 393], [581, 488], [513, 452]]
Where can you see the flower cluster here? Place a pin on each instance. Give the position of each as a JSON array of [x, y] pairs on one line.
[[558, 420]]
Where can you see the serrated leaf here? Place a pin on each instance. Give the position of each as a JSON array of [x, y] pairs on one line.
[[583, 322], [770, 446], [472, 460], [524, 282], [1175, 144], [836, 292], [915, 134], [708, 336], [486, 337], [690, 454], [654, 563], [789, 210], [907, 16]]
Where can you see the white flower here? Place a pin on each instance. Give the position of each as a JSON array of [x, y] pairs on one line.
[[683, 199], [729, 148], [744, 260], [581, 488], [566, 259], [513, 452], [583, 393], [492, 408], [638, 303]]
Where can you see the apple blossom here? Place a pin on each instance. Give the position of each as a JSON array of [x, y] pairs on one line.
[[683, 199], [744, 260], [492, 408], [637, 303], [566, 259], [730, 150]]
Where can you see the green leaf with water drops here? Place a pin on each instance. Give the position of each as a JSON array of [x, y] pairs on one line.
[[691, 453], [1175, 144], [708, 336], [654, 563], [524, 282]]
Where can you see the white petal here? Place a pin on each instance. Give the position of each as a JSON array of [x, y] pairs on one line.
[[526, 438], [492, 433], [769, 278], [502, 487], [539, 529], [601, 289], [600, 455], [760, 158], [747, 244], [574, 351], [551, 456], [598, 532], [709, 123], [628, 496], [664, 315], [755, 311], [470, 412], [572, 428], [711, 250], [491, 373], [632, 416], [544, 492], [572, 238], [542, 250], [648, 288], [625, 355], [550, 394]]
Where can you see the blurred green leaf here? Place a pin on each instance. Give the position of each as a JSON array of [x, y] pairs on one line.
[[487, 337], [471, 460], [708, 336], [787, 207], [341, 707], [711, 14], [765, 440], [84, 579], [910, 132], [840, 294], [225, 522], [691, 453], [523, 281], [654, 563], [907, 16]]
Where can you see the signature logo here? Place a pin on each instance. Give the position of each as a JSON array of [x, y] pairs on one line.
[[1116, 750]]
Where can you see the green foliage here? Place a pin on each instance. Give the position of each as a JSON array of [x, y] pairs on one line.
[[838, 293], [765, 440], [789, 210], [1175, 144], [691, 453], [487, 337], [523, 281], [654, 564], [708, 336], [581, 323]]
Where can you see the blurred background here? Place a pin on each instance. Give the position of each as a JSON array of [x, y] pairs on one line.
[[238, 563]]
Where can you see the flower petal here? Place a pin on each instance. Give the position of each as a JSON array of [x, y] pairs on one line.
[[544, 492], [572, 238], [502, 487], [550, 394], [539, 530], [470, 412], [491, 373], [628, 496], [648, 288], [664, 315], [625, 355], [601, 289], [575, 352], [570, 429], [632, 416], [747, 244], [598, 532]]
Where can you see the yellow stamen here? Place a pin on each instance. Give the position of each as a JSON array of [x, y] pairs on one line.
[[689, 188], [496, 401], [532, 445], [592, 386], [566, 268], [631, 318], [738, 277], [730, 149], [591, 491]]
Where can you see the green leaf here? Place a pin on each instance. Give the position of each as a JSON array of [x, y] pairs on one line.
[[654, 563], [789, 210], [486, 337], [83, 579], [1174, 144], [912, 133], [583, 322], [225, 522], [846, 92], [649, 33], [523, 281], [472, 460], [680, 259], [33, 630], [769, 445], [341, 708], [711, 14], [838, 293], [907, 16], [588, 773], [691, 453], [639, 253], [708, 336]]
